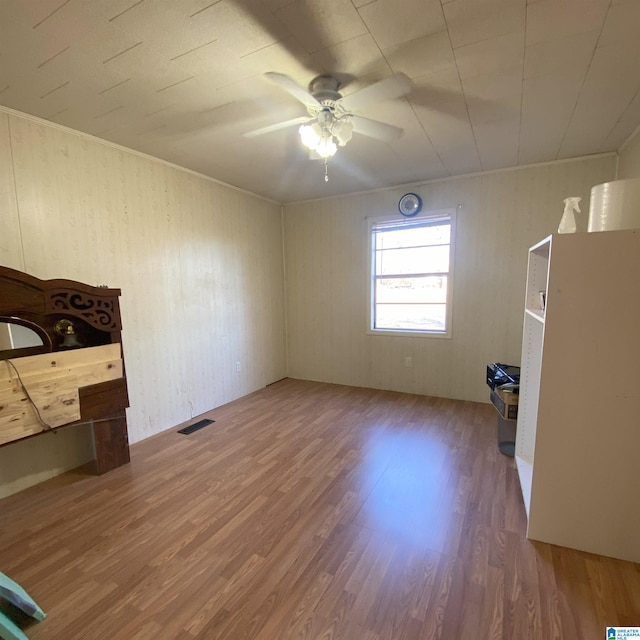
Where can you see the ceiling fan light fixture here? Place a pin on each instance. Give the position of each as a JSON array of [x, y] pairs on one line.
[[311, 135], [318, 139], [326, 147], [342, 131]]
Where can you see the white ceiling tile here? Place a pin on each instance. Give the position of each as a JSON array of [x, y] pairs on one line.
[[460, 160], [210, 59], [421, 56], [494, 85], [632, 112], [559, 92], [534, 147], [553, 56], [77, 26], [113, 10], [357, 57], [557, 19], [547, 105], [470, 21], [451, 135], [497, 143], [618, 136], [622, 23], [611, 85], [228, 23], [140, 63], [35, 49], [318, 25], [574, 146], [168, 30], [490, 56], [440, 92], [488, 110], [618, 58], [419, 153], [256, 89], [392, 22], [494, 97], [277, 57], [32, 13]]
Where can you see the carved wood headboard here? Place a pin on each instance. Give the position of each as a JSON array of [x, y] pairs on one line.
[[86, 372]]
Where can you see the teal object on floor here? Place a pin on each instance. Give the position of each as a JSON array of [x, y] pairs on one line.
[[19, 598], [9, 630]]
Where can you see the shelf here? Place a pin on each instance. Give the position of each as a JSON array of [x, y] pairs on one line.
[[538, 314], [542, 247], [573, 499], [537, 276], [525, 472]]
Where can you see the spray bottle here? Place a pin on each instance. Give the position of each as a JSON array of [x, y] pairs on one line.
[[568, 222]]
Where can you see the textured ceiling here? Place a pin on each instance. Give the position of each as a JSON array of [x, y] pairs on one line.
[[497, 83]]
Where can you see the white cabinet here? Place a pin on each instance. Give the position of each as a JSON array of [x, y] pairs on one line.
[[578, 435]]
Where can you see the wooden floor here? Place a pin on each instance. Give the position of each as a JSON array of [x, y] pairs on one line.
[[308, 510]]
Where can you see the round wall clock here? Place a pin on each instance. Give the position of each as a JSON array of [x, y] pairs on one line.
[[410, 204]]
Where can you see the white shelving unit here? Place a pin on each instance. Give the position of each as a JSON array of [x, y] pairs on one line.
[[578, 435]]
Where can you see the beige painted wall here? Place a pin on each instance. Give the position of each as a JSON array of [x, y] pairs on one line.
[[629, 163], [500, 216], [199, 264]]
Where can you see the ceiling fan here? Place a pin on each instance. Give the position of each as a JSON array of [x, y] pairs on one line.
[[331, 118]]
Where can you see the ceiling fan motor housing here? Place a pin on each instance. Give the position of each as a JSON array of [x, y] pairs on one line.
[[325, 90]]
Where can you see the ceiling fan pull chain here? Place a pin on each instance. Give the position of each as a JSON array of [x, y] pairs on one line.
[[326, 170]]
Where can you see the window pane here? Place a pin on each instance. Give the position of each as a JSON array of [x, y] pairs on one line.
[[431, 289], [417, 260], [411, 268], [412, 317], [438, 234]]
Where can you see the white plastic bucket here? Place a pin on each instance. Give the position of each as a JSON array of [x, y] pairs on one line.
[[615, 205]]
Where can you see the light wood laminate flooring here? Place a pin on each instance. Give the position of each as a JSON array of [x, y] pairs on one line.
[[308, 510]]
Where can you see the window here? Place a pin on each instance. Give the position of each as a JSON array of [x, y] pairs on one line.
[[412, 274]]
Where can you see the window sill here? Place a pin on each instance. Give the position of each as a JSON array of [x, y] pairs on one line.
[[399, 333]]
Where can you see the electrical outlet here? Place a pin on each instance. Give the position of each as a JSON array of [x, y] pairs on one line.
[[408, 361], [238, 366]]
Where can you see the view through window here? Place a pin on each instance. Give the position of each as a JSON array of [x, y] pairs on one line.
[[411, 274]]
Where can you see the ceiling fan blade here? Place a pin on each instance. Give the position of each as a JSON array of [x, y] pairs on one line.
[[375, 129], [294, 89], [278, 126], [303, 20], [393, 87]]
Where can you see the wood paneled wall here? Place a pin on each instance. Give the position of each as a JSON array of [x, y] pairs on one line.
[[629, 163], [500, 216], [200, 266]]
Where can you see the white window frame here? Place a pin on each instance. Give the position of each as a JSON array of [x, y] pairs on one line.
[[449, 214]]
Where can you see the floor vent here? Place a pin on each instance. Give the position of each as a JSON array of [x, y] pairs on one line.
[[195, 426]]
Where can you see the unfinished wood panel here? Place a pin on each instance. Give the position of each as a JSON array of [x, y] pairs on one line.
[[52, 382], [313, 511], [500, 216], [85, 360]]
